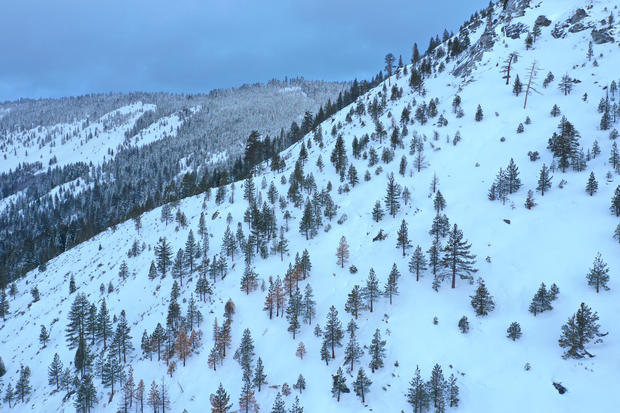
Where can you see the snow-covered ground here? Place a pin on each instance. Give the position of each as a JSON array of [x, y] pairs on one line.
[[555, 242]]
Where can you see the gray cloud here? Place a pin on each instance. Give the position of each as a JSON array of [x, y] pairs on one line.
[[70, 47]]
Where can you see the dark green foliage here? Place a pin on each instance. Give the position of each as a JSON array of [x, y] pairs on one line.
[[437, 389], [300, 384], [514, 331], [615, 203], [542, 300], [544, 180], [339, 155], [220, 400], [86, 395], [245, 354], [4, 304], [76, 328], [479, 115], [361, 385], [391, 285], [464, 325], [371, 291], [72, 287], [392, 196], [23, 387], [564, 144], [54, 371], [339, 384], [259, 375], [354, 302], [377, 212], [580, 329], [482, 301], [417, 395], [453, 392], [417, 263], [529, 201], [44, 336], [598, 277], [517, 86], [332, 334], [293, 312], [163, 256], [457, 257], [402, 239], [376, 351]]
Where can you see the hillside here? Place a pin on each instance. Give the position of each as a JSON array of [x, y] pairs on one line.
[[516, 248]]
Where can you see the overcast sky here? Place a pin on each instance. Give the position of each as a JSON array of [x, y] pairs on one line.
[[72, 47]]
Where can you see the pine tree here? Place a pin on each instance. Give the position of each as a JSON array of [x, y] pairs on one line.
[[339, 155], [529, 201], [615, 203], [278, 405], [249, 280], [154, 398], [377, 351], [457, 258], [308, 305], [54, 371], [377, 212], [300, 384], [402, 240], [453, 392], [517, 86], [342, 253], [23, 387], [4, 304], [306, 224], [301, 350], [9, 395], [339, 385], [190, 252], [437, 389], [463, 325], [333, 334], [614, 157], [86, 395], [514, 331], [417, 264], [439, 203], [112, 371], [72, 286], [371, 291], [541, 301], [392, 197], [352, 352], [354, 302], [513, 183], [479, 115], [44, 336], [122, 336], [293, 311], [361, 385], [123, 271], [163, 256], [245, 353], [617, 233], [598, 277], [76, 329], [544, 180], [581, 328], [433, 256], [391, 286], [417, 395], [482, 301], [220, 401], [152, 271], [128, 391], [259, 375], [566, 84], [247, 401]]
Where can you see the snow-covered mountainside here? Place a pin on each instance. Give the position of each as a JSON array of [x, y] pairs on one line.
[[430, 142]]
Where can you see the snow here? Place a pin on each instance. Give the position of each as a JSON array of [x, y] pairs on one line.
[[556, 241]]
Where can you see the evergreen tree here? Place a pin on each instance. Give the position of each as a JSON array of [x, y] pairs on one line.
[[479, 115], [457, 258], [72, 287], [333, 334], [123, 271], [293, 311], [417, 395], [615, 203], [614, 157], [112, 372], [433, 256], [259, 375], [339, 385], [541, 301], [564, 144], [4, 304], [377, 212], [154, 398], [249, 280], [352, 352], [361, 385], [417, 263], [152, 271], [339, 155], [163, 256], [544, 180], [392, 197], [439, 203], [402, 240], [76, 329], [220, 401], [598, 277], [513, 183], [44, 336], [354, 302], [145, 345], [54, 371], [23, 387], [342, 253], [482, 301], [437, 389], [190, 251], [529, 201], [9, 395], [247, 401], [464, 325], [104, 324], [278, 405], [377, 351], [245, 354], [617, 233], [352, 175], [300, 384], [371, 291], [453, 392], [86, 395], [581, 328], [517, 86], [514, 331], [391, 286], [306, 224]]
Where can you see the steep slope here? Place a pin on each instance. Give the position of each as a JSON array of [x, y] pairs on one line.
[[555, 242]]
